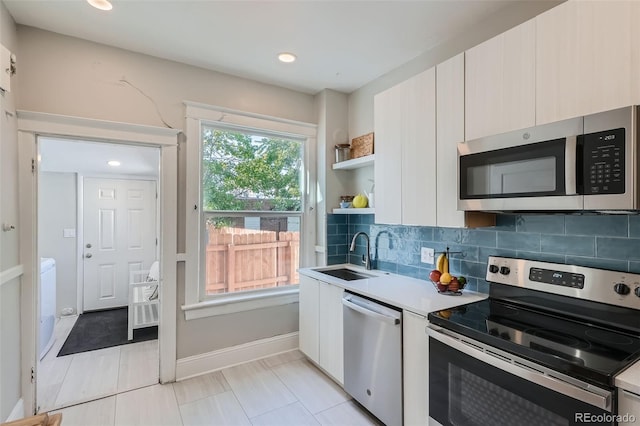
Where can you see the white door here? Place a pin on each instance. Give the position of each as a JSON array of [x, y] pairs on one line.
[[119, 236]]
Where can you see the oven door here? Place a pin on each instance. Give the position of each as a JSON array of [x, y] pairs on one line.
[[471, 384], [530, 169]]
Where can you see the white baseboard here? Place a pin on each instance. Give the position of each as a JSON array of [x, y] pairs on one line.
[[198, 365], [17, 412]]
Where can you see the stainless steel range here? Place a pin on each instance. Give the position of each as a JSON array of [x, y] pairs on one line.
[[544, 348]]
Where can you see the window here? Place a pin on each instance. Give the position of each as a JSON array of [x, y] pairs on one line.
[[252, 203], [248, 197]]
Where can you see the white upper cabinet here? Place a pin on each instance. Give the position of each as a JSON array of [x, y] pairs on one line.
[[450, 131], [500, 83], [405, 170], [419, 150], [387, 128], [586, 52]]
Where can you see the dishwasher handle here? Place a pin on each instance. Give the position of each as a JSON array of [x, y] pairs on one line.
[[363, 310]]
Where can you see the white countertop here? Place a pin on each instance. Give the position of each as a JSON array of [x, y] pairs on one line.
[[417, 296], [629, 379]]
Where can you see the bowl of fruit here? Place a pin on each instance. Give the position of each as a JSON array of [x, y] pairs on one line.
[[444, 282]]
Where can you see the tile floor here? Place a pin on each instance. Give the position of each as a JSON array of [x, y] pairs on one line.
[[285, 389], [71, 379]]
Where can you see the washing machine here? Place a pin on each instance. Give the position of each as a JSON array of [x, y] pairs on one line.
[[47, 304]]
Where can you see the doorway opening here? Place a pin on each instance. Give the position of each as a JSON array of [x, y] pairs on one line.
[[99, 247]]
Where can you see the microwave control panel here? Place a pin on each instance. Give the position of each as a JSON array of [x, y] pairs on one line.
[[603, 164]]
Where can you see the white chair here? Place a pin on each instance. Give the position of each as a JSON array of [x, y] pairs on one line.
[[143, 298]]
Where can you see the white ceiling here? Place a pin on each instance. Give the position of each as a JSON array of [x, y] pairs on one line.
[[340, 44], [71, 156]]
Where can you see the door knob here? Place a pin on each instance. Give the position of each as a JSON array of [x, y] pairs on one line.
[[89, 245], [88, 255]]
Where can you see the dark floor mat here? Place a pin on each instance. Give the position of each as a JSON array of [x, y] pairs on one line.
[[103, 329]]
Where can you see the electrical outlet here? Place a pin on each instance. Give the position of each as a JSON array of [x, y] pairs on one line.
[[426, 255]]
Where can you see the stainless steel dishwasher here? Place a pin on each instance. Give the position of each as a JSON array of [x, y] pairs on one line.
[[373, 357]]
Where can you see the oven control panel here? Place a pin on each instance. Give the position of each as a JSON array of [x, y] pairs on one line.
[[612, 287], [555, 277]]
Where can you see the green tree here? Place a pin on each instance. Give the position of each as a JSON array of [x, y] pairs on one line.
[[245, 172]]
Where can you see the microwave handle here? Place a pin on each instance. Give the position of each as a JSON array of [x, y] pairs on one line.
[[570, 152]]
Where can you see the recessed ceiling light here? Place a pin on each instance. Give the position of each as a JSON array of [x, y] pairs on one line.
[[113, 163], [101, 4], [287, 57]]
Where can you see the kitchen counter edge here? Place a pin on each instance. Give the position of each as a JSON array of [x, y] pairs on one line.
[[411, 294]]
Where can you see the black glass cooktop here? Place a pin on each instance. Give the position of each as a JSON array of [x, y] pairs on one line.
[[590, 352]]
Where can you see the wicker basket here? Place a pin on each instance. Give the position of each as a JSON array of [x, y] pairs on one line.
[[362, 145]]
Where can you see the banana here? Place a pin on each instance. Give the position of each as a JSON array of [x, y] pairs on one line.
[[439, 262], [442, 264]]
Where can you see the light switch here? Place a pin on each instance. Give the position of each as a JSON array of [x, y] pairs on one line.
[[426, 255], [69, 233]]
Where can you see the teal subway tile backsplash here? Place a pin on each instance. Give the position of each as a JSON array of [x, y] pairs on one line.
[[611, 226], [549, 224], [618, 248], [601, 241], [528, 241], [568, 244], [634, 226]]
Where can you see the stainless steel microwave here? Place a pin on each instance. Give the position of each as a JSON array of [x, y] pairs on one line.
[[585, 163]]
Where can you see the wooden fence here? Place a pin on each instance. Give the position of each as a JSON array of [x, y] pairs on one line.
[[243, 259]]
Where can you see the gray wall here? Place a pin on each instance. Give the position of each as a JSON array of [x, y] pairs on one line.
[[57, 202], [65, 75], [361, 100], [9, 249]]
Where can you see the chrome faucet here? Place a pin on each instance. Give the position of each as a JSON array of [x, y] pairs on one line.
[[366, 259]]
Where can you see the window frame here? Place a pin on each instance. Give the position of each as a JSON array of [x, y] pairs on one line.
[[197, 304]]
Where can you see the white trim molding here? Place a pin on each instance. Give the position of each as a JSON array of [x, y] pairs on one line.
[[17, 412], [197, 305], [216, 114], [54, 124], [11, 274], [32, 125], [198, 365], [240, 302]]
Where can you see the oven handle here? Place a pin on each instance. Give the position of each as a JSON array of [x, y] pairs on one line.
[[591, 395], [570, 152]]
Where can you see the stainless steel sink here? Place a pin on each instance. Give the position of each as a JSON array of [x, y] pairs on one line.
[[346, 274]]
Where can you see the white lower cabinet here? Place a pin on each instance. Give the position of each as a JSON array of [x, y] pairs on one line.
[[320, 337], [330, 331], [628, 403], [309, 308], [415, 353]]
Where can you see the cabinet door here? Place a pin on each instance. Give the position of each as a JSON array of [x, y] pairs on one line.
[[500, 83], [628, 403], [635, 53], [584, 56], [450, 131], [387, 170], [419, 149], [415, 353], [309, 299], [331, 331]]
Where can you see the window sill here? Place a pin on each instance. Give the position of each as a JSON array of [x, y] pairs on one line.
[[232, 303]]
